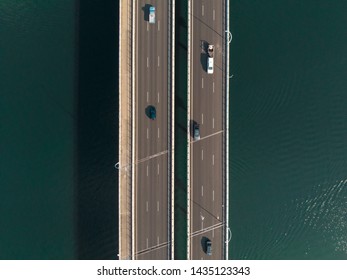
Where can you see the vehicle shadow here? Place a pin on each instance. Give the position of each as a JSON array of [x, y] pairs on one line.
[[192, 123], [203, 241], [203, 61], [203, 55], [145, 10]]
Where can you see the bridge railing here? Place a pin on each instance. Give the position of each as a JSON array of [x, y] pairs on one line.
[[225, 149], [171, 127]]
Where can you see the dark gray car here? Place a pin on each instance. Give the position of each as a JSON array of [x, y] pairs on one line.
[[152, 113], [208, 247]]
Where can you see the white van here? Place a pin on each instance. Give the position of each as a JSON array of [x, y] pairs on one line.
[[210, 59], [210, 65]]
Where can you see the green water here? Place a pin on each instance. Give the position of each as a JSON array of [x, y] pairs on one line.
[[181, 130], [37, 129], [288, 130], [58, 129]]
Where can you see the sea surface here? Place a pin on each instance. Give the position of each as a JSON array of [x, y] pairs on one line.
[[58, 129], [288, 136]]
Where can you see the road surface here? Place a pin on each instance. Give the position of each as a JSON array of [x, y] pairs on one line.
[[206, 108]]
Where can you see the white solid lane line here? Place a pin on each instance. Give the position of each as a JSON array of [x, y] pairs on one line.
[[157, 206], [202, 190], [212, 159], [202, 154], [147, 134], [147, 63], [147, 26], [158, 169], [202, 10], [158, 97], [202, 82], [147, 170], [158, 240], [147, 206], [213, 195], [202, 118], [158, 25], [158, 60], [214, 14], [147, 96], [147, 242], [213, 87], [158, 132], [212, 122]]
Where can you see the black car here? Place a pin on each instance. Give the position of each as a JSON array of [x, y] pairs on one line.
[[152, 113]]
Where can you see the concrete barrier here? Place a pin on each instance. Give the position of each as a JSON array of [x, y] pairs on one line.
[[226, 5], [172, 127], [133, 133], [124, 165]]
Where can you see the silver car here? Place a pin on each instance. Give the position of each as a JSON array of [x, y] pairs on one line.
[[196, 131]]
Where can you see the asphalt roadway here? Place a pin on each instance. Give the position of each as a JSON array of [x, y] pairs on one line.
[[206, 103], [151, 136]]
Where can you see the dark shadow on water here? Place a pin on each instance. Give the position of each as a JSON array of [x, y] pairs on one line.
[[179, 102], [183, 46], [96, 190], [181, 131], [145, 10], [182, 128], [181, 21]]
